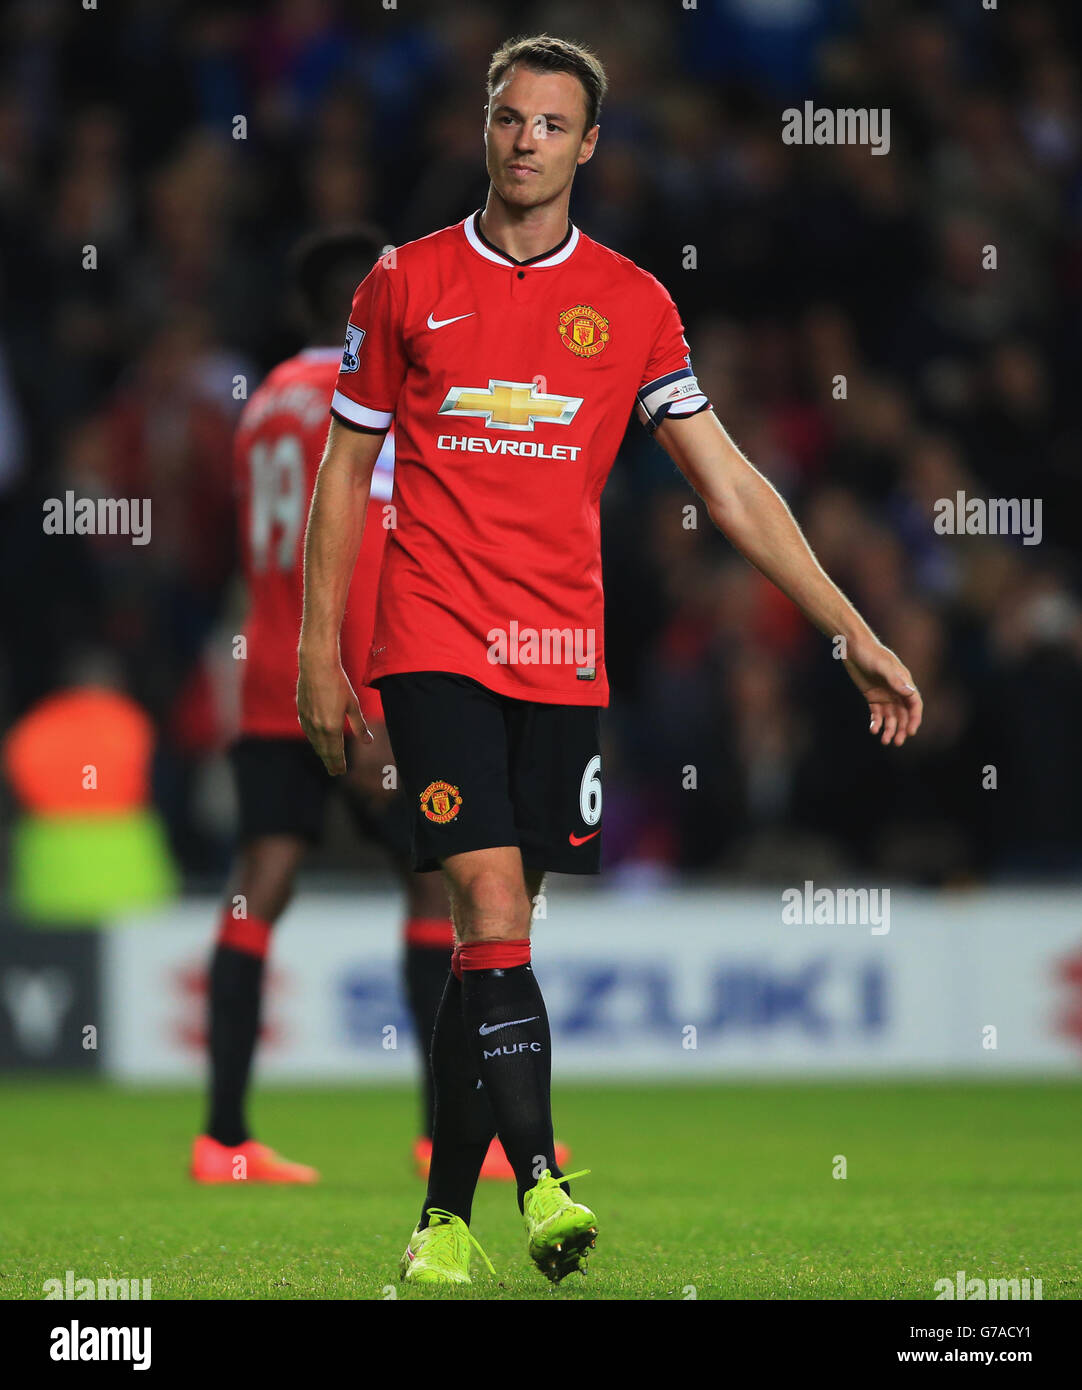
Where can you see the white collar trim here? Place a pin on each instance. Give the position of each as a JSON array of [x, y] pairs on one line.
[[557, 258]]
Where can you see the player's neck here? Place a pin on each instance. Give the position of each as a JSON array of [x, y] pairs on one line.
[[524, 233]]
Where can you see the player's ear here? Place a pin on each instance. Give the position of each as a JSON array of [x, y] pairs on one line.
[[589, 141]]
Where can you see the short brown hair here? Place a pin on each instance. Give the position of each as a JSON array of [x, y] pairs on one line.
[[543, 53]]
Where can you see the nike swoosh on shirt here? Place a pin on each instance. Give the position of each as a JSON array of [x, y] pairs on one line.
[[487, 1028], [577, 840], [442, 323]]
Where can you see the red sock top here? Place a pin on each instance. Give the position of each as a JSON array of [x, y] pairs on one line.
[[248, 934], [493, 955], [430, 931]]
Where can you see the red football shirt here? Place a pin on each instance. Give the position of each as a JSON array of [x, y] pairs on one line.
[[510, 386], [278, 446]]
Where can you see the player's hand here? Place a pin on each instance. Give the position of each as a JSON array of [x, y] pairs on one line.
[[888, 687], [325, 701]]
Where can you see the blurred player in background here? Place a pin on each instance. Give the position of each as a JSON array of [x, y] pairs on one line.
[[281, 783]]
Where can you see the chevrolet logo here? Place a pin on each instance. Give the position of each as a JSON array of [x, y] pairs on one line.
[[510, 405]]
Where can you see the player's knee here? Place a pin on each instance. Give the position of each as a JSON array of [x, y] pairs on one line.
[[427, 895], [266, 900], [491, 906], [268, 870]]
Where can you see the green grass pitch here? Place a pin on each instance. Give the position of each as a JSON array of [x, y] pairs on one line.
[[719, 1191]]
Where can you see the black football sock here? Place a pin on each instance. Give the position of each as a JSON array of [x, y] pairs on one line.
[[425, 967], [464, 1124], [236, 989], [508, 1030]]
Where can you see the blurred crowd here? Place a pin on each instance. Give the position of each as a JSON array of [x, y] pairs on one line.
[[844, 316]]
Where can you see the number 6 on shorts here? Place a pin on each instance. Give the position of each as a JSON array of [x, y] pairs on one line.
[[590, 791]]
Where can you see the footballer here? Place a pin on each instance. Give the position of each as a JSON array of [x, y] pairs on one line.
[[281, 784], [509, 351]]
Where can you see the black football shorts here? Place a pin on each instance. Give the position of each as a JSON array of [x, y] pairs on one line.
[[480, 770], [283, 789]]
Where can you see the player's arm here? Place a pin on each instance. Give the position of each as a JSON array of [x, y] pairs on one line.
[[747, 509], [325, 698]]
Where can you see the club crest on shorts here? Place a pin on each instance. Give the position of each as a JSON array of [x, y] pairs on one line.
[[440, 802], [583, 331]]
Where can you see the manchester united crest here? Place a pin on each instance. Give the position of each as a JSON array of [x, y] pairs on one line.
[[440, 802], [583, 331]]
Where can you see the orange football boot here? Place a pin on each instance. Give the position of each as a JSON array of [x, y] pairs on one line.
[[495, 1168], [422, 1156], [214, 1162]]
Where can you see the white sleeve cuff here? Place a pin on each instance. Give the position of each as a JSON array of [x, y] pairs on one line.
[[360, 414]]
